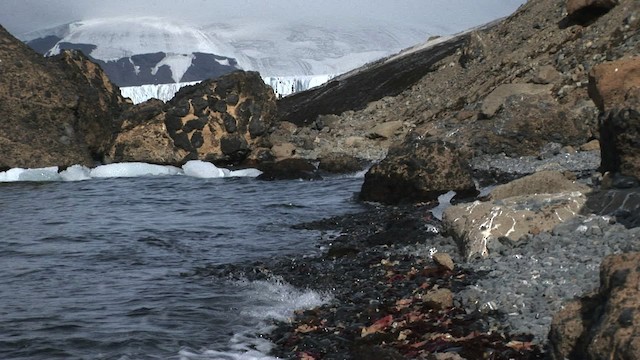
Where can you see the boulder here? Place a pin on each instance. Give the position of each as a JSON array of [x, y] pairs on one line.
[[611, 82], [54, 111], [543, 182], [339, 163], [576, 6], [418, 170], [385, 130], [482, 227], [604, 325], [495, 100], [224, 121], [526, 123], [288, 169]]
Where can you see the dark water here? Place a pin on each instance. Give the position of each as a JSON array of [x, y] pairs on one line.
[[99, 269]]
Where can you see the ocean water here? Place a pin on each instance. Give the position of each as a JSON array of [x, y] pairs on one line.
[[103, 268]]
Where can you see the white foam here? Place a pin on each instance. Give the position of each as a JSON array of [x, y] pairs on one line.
[[76, 173], [273, 299]]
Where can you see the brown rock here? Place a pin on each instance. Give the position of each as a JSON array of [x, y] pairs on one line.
[[386, 130], [284, 150], [604, 326], [547, 74], [444, 260], [438, 298], [495, 100], [418, 170], [574, 6], [53, 111], [543, 182], [592, 145], [611, 82]]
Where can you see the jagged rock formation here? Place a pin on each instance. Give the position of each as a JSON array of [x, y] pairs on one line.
[[58, 111], [224, 121]]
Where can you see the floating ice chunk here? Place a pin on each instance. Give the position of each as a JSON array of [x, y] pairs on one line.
[[76, 173], [133, 169], [204, 170], [38, 174], [246, 173]]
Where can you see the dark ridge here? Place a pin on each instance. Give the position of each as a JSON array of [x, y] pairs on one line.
[[353, 91]]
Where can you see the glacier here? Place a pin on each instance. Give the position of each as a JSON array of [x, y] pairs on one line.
[[282, 86]]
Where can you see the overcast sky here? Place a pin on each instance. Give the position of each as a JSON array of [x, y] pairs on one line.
[[22, 16]]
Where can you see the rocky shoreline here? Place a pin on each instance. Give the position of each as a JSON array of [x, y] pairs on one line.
[[528, 127]]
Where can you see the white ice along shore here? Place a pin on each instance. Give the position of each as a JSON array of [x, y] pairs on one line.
[[282, 86], [193, 168]]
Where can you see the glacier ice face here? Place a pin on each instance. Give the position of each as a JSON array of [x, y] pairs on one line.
[[282, 86]]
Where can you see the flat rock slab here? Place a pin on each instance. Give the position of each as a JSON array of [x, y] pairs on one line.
[[481, 226]]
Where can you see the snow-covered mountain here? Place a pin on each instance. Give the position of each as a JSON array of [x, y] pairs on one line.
[[291, 53], [144, 50]]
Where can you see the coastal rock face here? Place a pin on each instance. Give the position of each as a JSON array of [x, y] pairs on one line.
[[224, 121], [610, 83], [522, 208], [605, 325], [418, 170], [54, 111]]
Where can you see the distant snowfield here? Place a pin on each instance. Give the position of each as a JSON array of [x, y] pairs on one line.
[[194, 168]]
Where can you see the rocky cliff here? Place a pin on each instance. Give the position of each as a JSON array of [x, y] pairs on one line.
[[58, 111]]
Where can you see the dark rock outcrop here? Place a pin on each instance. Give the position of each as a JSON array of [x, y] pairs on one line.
[[604, 325], [224, 121], [288, 169], [418, 170], [615, 88], [55, 111]]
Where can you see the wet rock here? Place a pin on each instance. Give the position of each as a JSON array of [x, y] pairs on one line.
[[288, 169], [339, 163], [624, 204], [604, 325], [224, 121], [418, 170]]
